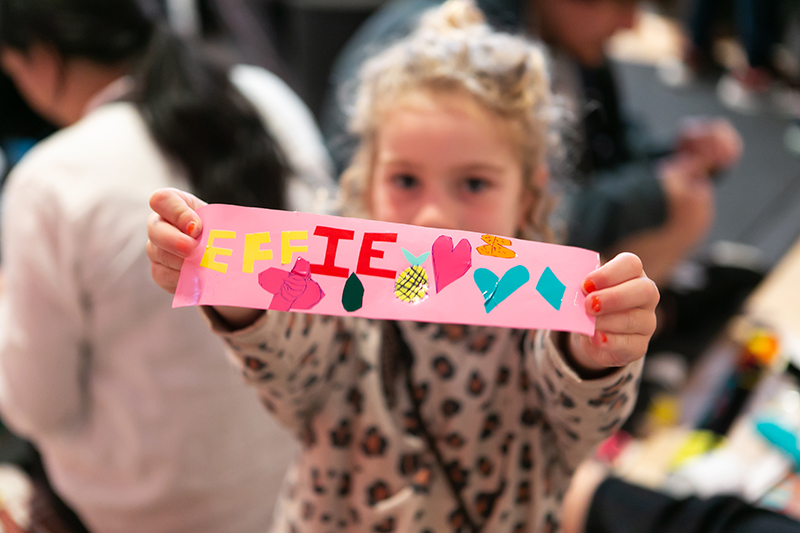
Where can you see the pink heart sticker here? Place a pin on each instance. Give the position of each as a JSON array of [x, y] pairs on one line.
[[450, 263]]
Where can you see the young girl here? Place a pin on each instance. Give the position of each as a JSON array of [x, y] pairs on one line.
[[430, 427]]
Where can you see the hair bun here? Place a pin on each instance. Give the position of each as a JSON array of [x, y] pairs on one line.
[[453, 15]]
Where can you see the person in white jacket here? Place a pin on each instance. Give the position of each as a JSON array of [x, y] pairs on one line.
[[142, 425]]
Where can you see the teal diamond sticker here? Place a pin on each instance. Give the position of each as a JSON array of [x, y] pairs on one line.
[[551, 288]]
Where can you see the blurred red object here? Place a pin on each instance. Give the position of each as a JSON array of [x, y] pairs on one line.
[[612, 447]]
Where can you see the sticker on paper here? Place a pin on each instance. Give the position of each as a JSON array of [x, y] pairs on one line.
[[300, 262], [496, 247]]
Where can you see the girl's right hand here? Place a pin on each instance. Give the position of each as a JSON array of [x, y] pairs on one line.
[[172, 232]]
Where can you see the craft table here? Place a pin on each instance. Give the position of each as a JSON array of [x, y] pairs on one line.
[[651, 461]]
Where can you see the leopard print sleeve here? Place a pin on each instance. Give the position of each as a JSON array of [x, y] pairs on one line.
[[289, 358], [581, 412]]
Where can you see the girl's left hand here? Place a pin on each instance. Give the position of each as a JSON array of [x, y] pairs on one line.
[[623, 300]]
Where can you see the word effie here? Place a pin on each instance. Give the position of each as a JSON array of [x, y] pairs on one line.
[[253, 252]]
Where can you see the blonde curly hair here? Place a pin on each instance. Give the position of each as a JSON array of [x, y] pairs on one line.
[[454, 49]]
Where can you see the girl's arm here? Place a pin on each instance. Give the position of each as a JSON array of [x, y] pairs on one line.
[[588, 385], [582, 412], [290, 358]]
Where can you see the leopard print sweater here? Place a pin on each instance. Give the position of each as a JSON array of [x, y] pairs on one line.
[[480, 432]]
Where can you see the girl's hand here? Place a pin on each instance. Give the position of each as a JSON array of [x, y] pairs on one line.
[[623, 300], [172, 232]]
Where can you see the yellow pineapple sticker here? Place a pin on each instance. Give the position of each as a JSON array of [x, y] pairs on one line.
[[496, 247], [412, 284]]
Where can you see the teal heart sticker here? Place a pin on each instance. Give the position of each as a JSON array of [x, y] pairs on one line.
[[495, 289]]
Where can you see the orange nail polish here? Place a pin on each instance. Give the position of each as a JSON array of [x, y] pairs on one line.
[[190, 227], [589, 286], [595, 304], [603, 338]]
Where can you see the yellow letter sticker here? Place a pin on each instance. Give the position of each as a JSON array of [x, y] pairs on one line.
[[253, 251], [287, 250], [212, 251]]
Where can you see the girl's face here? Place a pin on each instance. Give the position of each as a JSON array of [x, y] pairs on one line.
[[444, 161]]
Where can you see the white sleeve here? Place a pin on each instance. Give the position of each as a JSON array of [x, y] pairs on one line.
[[288, 119], [43, 353]]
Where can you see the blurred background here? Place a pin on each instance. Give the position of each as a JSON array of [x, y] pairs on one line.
[[677, 61], [299, 40]]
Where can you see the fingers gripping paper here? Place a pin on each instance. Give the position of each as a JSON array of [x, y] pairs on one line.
[[288, 261]]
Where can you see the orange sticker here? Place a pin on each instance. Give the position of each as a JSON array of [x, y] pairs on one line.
[[496, 247]]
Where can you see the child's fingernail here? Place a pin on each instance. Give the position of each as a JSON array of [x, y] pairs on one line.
[[589, 287], [190, 228], [595, 304], [600, 337]]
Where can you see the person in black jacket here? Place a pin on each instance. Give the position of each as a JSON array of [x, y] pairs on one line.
[[598, 503], [657, 203]]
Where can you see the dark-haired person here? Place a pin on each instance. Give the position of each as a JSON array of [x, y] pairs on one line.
[[20, 127], [141, 423], [659, 208]]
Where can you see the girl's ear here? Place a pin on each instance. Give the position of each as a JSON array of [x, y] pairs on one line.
[[540, 177]]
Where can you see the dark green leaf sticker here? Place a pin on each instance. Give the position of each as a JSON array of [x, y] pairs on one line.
[[353, 294]]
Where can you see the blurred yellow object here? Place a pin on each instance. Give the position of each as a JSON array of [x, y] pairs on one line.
[[664, 410], [697, 443], [764, 346]]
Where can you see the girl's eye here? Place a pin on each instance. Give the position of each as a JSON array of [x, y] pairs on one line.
[[476, 185], [405, 181]]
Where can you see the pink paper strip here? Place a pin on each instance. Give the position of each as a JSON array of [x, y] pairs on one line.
[[266, 259]]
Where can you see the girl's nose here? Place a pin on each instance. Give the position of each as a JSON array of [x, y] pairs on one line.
[[435, 215]]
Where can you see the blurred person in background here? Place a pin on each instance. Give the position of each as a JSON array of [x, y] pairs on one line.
[[757, 84], [20, 127], [141, 423], [597, 502], [655, 201]]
